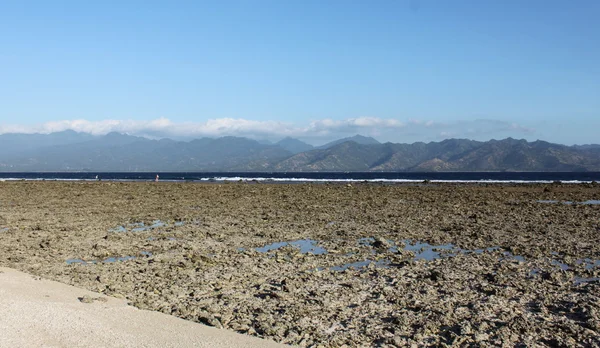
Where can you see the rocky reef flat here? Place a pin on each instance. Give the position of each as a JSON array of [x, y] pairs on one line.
[[328, 265]]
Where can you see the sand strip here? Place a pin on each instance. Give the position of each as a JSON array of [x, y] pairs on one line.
[[36, 312]]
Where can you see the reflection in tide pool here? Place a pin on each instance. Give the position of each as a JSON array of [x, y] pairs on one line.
[[93, 262], [306, 246], [421, 251], [426, 251], [586, 280], [115, 259], [142, 227]]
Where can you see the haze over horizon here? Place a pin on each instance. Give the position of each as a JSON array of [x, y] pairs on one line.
[[399, 71]]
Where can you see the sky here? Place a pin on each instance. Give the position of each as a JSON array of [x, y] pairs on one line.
[[317, 70]]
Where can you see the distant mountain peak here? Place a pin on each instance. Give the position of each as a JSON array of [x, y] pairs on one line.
[[68, 151], [65, 132], [294, 145], [116, 134], [264, 141], [359, 139]]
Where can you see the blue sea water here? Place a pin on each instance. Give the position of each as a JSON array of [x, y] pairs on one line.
[[390, 177]]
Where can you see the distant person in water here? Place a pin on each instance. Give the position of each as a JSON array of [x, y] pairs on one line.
[[156, 178]]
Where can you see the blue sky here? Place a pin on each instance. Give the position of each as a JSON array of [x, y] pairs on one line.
[[401, 71]]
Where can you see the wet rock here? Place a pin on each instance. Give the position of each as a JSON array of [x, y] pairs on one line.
[[380, 242], [89, 299], [86, 299], [210, 320]]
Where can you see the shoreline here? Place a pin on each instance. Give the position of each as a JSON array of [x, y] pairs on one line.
[[319, 181], [317, 177]]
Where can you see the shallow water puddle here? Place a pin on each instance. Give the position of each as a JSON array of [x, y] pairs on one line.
[[510, 256], [422, 251], [80, 261], [111, 259], [115, 259], [361, 264], [107, 260], [141, 227], [562, 266], [426, 251], [306, 246], [576, 280], [585, 280], [588, 264], [3, 229]]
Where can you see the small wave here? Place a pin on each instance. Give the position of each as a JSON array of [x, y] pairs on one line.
[[414, 181], [300, 179], [350, 177]]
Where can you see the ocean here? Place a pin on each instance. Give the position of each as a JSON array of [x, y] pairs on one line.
[[386, 177]]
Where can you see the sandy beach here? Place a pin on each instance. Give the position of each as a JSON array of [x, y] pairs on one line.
[[40, 313], [322, 264]]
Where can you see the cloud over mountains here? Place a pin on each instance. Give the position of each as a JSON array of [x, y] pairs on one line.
[[388, 129]]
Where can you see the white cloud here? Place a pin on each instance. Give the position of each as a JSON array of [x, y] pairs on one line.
[[158, 127], [353, 124], [445, 135], [325, 129], [211, 127]]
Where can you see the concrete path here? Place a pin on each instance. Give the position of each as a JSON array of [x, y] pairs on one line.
[[42, 313]]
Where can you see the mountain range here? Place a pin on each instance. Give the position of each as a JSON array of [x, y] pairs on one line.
[[73, 151]]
